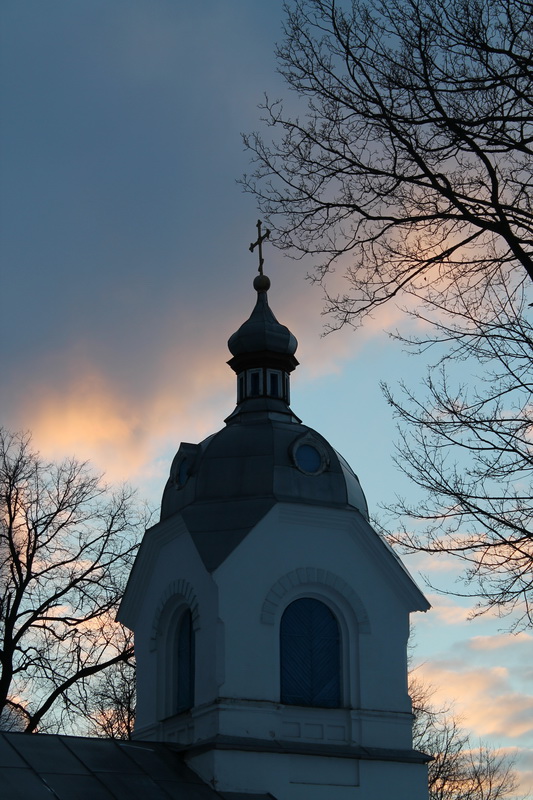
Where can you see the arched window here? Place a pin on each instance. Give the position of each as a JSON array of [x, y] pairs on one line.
[[185, 663], [310, 655]]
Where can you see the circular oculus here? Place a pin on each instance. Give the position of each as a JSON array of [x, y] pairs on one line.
[[309, 459]]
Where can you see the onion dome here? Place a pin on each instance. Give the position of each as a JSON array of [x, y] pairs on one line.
[[262, 333], [263, 354], [264, 455]]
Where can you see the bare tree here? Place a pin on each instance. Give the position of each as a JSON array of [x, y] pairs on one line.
[[111, 703], [409, 165], [67, 543], [466, 442], [11, 720], [458, 770]]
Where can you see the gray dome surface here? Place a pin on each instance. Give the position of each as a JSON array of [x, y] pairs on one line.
[[256, 459], [262, 332], [227, 483]]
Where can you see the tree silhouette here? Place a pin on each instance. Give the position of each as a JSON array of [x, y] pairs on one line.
[[409, 164], [67, 543]]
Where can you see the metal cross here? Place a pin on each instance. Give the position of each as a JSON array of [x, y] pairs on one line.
[[259, 242]]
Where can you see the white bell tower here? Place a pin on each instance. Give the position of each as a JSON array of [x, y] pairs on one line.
[[271, 620]]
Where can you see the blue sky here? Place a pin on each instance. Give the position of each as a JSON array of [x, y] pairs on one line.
[[125, 268]]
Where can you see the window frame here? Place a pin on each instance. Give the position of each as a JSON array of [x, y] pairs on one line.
[[250, 375], [170, 625], [185, 663], [286, 647]]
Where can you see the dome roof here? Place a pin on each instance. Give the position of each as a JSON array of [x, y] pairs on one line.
[[265, 455], [227, 483], [262, 332]]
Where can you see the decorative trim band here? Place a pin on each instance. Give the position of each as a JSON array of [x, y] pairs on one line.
[[245, 744]]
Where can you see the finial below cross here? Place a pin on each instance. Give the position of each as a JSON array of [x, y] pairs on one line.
[[259, 242]]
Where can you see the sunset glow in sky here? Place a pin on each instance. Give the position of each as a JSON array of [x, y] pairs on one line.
[[125, 269]]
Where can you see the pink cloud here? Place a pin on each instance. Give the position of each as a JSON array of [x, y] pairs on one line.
[[523, 767], [427, 563], [482, 698], [125, 415], [121, 425], [503, 640], [446, 611]]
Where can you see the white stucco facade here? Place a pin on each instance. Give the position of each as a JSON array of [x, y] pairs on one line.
[[237, 734]]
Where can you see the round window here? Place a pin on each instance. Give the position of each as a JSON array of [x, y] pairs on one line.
[[308, 458]]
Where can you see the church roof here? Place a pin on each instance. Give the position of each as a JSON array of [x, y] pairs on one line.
[[227, 483], [236, 476], [46, 767], [262, 332]]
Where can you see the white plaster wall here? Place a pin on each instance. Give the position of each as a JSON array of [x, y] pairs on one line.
[[335, 557], [392, 780], [291, 537], [299, 777], [171, 556]]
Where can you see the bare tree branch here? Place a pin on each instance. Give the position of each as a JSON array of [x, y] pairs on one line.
[[411, 162], [458, 770], [466, 442], [67, 543]]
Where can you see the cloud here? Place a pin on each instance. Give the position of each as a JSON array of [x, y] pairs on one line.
[[300, 305], [499, 641], [432, 563], [126, 404], [87, 416], [445, 610], [483, 698], [451, 615], [123, 420], [523, 767]]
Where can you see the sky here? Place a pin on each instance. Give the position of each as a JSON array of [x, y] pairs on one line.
[[125, 269]]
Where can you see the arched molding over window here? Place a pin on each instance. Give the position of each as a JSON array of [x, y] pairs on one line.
[[345, 604], [178, 593], [305, 579]]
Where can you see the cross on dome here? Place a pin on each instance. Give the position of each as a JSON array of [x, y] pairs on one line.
[[261, 282], [259, 243]]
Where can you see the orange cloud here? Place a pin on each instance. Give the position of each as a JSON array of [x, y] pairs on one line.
[[482, 698], [445, 610], [300, 305], [428, 563], [499, 641], [523, 767], [122, 422], [128, 419]]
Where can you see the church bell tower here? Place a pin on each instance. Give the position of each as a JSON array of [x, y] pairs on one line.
[[270, 619]]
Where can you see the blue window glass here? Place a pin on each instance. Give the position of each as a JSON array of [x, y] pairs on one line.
[[308, 458], [254, 384], [310, 655], [185, 676], [274, 384]]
